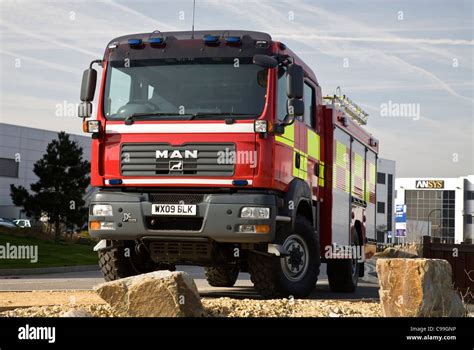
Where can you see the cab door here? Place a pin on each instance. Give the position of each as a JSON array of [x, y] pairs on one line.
[[309, 137]]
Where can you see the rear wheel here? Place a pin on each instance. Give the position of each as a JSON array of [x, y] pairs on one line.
[[222, 276], [124, 261], [343, 274], [295, 274]]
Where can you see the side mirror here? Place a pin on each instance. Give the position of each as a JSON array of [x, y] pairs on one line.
[[89, 80], [84, 110], [295, 108], [295, 81], [265, 61]]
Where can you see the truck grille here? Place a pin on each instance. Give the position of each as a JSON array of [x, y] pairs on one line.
[[163, 159], [176, 198], [179, 251], [166, 223]]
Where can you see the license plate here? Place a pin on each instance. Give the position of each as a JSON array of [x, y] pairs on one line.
[[173, 209]]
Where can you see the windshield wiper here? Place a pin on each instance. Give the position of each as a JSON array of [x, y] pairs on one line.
[[131, 118], [221, 114]]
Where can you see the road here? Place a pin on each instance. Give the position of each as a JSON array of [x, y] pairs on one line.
[[84, 280]]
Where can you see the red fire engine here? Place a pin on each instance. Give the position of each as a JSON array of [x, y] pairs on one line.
[[216, 148]]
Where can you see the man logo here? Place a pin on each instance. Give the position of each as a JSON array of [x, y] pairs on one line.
[[429, 184], [177, 154], [176, 165]]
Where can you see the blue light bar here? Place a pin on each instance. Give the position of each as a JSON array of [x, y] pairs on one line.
[[233, 40], [115, 181], [156, 41], [210, 39], [134, 42], [240, 182]]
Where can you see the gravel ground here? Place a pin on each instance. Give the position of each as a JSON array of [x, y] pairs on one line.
[[214, 307]]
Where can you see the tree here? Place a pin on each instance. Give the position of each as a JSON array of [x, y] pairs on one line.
[[63, 176]]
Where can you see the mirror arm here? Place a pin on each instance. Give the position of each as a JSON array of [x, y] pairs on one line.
[[292, 121], [99, 62], [284, 59]]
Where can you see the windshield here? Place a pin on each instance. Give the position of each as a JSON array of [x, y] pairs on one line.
[[168, 88]]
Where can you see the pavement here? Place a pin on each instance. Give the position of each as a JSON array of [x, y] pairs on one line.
[[85, 280]]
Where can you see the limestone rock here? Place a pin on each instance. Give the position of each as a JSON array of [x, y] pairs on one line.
[[417, 288], [395, 253], [154, 294], [77, 313]]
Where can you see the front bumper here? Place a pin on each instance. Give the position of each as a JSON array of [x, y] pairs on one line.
[[217, 218]]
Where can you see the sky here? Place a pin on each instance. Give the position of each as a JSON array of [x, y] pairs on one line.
[[409, 64]]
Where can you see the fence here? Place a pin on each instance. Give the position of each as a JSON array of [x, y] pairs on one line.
[[461, 258]]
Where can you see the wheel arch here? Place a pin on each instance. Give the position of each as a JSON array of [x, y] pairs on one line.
[[298, 201]]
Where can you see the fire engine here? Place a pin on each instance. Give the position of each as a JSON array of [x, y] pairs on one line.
[[217, 149]]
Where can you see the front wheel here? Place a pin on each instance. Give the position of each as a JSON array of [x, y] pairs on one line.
[[123, 261], [295, 274], [222, 276]]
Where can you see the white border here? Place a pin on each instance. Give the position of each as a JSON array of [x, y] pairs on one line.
[[176, 181]]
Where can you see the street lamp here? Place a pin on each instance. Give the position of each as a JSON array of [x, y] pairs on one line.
[[431, 212]]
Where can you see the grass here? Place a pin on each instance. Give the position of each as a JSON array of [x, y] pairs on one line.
[[50, 254]]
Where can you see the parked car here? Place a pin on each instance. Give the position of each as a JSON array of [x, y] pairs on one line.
[[7, 223], [22, 222]]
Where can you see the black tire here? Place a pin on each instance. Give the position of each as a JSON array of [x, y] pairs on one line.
[[343, 274], [115, 264], [222, 276], [295, 275]]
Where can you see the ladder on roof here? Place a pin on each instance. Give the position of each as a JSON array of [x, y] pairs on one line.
[[348, 106]]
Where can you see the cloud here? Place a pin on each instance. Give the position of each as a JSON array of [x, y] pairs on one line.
[[453, 42]]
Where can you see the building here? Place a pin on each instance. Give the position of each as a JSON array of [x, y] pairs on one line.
[[438, 207], [20, 148], [385, 219]]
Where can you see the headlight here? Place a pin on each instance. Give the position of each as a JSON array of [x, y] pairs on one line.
[[102, 210], [255, 213]]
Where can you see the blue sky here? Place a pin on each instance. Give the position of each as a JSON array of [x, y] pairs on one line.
[[379, 52]]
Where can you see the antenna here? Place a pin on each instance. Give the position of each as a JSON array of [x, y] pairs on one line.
[[194, 9]]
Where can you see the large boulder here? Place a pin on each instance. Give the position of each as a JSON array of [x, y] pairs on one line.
[[154, 294], [392, 252], [417, 288]]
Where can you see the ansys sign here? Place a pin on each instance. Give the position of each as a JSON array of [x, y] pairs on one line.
[[429, 184]]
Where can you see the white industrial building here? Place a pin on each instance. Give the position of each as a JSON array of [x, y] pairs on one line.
[[20, 148], [385, 219], [438, 207]]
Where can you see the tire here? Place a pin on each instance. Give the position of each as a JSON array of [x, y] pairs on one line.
[[343, 274], [114, 264], [296, 274], [222, 276]]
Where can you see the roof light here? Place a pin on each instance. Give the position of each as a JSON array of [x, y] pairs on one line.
[[156, 41], [261, 44], [233, 40], [211, 39], [134, 42], [113, 45]]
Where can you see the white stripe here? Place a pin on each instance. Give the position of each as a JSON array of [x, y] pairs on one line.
[[176, 181], [180, 128]]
